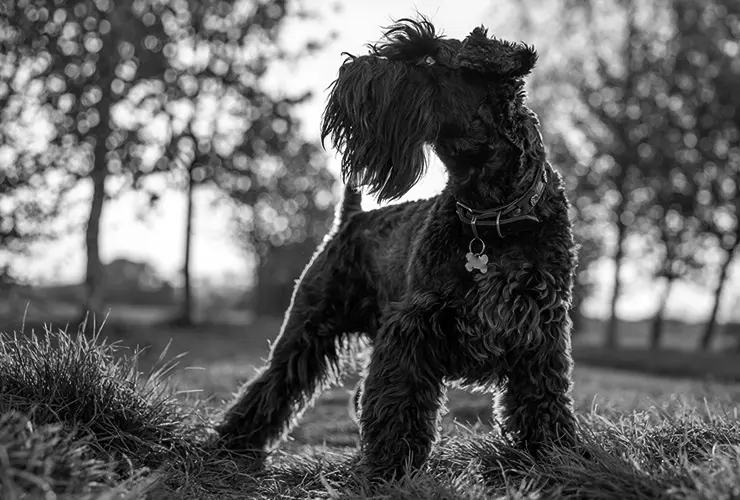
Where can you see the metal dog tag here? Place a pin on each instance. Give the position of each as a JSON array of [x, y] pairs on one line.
[[479, 262], [476, 260]]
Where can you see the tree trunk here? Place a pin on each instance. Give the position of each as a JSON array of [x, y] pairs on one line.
[[656, 327], [94, 300], [625, 157], [186, 312], [576, 313], [612, 325], [576, 317], [711, 326]]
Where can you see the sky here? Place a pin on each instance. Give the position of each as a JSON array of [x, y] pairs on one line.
[[156, 236]]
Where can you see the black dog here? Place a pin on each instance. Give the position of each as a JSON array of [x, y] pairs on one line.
[[472, 286]]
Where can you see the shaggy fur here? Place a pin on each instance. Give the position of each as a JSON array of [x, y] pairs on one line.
[[398, 274]]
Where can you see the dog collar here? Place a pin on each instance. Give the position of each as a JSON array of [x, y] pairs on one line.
[[505, 216]]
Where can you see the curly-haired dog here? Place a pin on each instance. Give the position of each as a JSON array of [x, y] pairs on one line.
[[472, 286]]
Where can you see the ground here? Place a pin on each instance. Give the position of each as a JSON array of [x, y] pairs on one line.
[[647, 436]]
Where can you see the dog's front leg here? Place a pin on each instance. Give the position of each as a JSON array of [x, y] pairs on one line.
[[536, 408], [401, 398]]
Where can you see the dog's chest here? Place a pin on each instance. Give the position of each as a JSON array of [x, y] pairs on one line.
[[479, 352], [501, 308]]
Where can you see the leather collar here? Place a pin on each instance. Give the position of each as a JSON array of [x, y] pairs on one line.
[[507, 219]]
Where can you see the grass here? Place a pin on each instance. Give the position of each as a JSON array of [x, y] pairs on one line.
[[78, 418], [83, 418]]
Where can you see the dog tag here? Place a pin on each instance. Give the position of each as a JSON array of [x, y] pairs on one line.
[[476, 261]]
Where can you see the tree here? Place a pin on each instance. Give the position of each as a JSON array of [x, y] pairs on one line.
[[86, 55], [31, 183], [619, 97], [677, 240], [703, 117], [663, 178], [629, 75], [707, 77], [282, 222], [587, 226], [589, 90], [225, 129], [30, 203], [711, 325]]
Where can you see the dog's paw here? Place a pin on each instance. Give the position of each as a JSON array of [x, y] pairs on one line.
[[248, 458], [376, 474]]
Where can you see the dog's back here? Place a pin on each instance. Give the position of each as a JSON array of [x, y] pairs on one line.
[[387, 236]]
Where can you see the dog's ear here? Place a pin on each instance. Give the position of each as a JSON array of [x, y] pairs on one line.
[[493, 56], [380, 123]]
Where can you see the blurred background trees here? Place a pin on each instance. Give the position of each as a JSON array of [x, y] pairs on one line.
[[640, 105], [130, 89], [212, 121], [80, 59], [638, 101], [707, 78], [291, 210], [75, 61]]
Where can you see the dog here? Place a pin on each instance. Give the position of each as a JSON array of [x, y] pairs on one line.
[[471, 287]]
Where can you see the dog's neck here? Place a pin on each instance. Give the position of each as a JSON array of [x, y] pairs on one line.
[[500, 184], [496, 182], [499, 169]]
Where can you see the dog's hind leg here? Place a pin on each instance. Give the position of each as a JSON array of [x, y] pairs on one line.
[[307, 355]]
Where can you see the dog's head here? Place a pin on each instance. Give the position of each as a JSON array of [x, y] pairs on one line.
[[415, 87]]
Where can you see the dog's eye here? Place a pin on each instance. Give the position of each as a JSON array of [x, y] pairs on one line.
[[427, 61]]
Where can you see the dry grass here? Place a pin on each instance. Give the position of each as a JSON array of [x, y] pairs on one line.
[[79, 420]]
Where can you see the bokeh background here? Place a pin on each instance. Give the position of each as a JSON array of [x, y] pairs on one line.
[[160, 163]]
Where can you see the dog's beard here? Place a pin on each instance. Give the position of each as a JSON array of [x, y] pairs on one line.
[[379, 115]]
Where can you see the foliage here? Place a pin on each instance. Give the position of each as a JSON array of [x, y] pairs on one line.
[[293, 206], [225, 127], [30, 187], [74, 62], [212, 113], [283, 227], [27, 214], [61, 56], [133, 90], [707, 76]]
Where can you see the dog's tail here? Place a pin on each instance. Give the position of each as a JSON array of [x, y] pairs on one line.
[[351, 202]]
